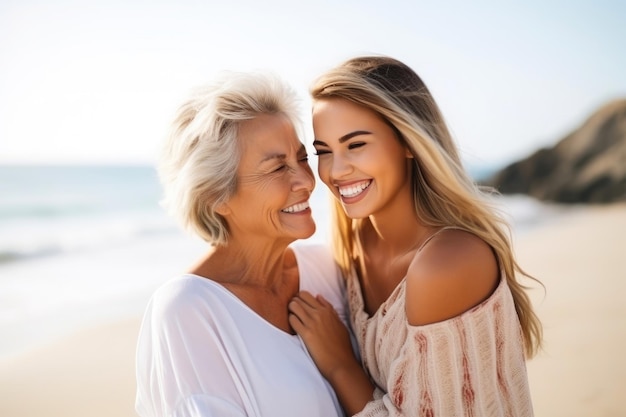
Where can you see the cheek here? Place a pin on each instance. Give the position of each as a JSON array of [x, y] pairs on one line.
[[323, 169], [309, 172]]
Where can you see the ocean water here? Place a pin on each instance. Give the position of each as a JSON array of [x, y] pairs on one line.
[[46, 211], [86, 244]]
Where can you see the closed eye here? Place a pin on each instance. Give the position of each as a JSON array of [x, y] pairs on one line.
[[319, 152], [355, 145]]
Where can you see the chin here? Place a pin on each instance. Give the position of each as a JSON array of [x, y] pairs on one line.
[[355, 214], [303, 232], [308, 232]]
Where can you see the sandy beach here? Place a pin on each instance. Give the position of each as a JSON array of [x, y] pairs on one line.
[[580, 372], [89, 373]]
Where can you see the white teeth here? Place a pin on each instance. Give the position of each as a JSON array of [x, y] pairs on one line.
[[354, 190], [296, 208]]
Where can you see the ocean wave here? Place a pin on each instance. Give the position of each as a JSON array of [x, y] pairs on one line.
[[64, 206], [29, 242], [32, 192], [14, 255], [35, 211], [525, 213]]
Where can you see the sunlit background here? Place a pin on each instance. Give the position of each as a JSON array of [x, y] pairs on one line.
[[97, 82], [88, 89]]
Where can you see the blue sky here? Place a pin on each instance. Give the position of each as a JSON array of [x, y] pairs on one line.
[[97, 82]]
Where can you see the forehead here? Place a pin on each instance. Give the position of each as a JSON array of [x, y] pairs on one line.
[[267, 134], [337, 116], [336, 109]]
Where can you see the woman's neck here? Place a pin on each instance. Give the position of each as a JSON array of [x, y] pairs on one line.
[[263, 275], [253, 263], [396, 229]]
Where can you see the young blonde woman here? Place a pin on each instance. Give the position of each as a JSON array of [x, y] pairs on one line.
[[443, 324]]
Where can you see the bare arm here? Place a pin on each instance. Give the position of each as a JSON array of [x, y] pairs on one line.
[[328, 342]]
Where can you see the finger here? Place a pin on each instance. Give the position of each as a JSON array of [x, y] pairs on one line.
[[309, 299], [300, 309], [295, 323], [320, 298], [300, 321]]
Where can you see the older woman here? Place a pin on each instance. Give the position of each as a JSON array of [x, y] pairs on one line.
[[216, 340]]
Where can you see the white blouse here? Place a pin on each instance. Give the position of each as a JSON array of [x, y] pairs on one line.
[[203, 352]]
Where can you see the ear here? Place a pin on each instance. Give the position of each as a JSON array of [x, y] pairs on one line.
[[407, 153], [223, 209]]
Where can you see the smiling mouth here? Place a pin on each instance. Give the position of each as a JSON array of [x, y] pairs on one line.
[[354, 189], [296, 208]]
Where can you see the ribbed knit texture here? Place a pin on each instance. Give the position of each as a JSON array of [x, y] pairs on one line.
[[470, 365]]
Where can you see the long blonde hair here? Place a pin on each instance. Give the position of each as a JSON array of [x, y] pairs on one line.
[[443, 193]]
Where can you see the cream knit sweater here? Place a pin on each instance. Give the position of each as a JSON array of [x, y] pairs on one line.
[[470, 365]]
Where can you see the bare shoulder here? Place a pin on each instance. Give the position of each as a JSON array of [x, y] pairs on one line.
[[452, 273]]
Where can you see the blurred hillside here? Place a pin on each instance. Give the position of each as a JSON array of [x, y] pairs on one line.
[[587, 166]]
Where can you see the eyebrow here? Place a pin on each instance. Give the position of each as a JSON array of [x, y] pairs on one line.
[[345, 137], [282, 156]]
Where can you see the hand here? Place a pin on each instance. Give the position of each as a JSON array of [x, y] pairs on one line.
[[324, 334], [328, 342]]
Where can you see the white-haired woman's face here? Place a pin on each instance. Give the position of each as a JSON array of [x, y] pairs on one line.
[[274, 183], [360, 159]]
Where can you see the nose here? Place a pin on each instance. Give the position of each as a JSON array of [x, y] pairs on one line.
[[303, 179], [340, 166]]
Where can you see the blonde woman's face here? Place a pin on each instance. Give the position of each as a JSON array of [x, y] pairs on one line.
[[360, 159], [274, 183]]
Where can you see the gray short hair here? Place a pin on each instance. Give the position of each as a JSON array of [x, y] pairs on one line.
[[200, 157]]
